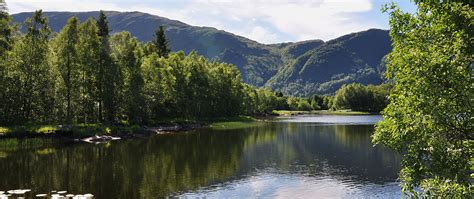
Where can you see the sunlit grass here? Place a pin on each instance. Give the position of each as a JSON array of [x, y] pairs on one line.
[[4, 130], [46, 129], [234, 123], [329, 112]]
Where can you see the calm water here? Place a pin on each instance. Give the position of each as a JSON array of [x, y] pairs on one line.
[[300, 157]]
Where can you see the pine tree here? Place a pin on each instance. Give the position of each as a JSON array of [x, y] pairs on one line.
[[107, 74], [161, 43]]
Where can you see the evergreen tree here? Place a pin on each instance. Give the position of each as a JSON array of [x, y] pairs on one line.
[[107, 74], [66, 60], [161, 43]]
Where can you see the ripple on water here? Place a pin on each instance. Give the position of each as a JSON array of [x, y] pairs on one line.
[[271, 185]]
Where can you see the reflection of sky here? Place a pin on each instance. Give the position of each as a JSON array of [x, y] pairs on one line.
[[334, 119], [270, 185], [311, 161]]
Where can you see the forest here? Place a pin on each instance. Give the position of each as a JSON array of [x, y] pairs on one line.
[[83, 74]]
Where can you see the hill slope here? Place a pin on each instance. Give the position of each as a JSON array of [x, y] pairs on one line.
[[351, 58], [299, 68], [257, 62]]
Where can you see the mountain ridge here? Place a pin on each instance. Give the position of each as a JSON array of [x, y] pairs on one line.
[[262, 65]]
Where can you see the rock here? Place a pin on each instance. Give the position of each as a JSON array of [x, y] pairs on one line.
[[100, 139]]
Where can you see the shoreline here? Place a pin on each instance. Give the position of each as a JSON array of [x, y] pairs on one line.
[[93, 133], [98, 133], [322, 112]]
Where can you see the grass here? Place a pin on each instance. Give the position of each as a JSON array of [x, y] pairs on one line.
[[234, 123], [87, 130], [73, 131], [328, 112]]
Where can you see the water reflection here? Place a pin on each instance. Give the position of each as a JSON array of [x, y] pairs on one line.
[[275, 159]]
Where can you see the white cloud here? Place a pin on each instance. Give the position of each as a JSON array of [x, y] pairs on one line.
[[259, 33], [304, 19], [59, 5], [266, 21]]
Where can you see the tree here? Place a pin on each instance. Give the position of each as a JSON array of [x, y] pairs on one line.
[[124, 52], [5, 45], [161, 43], [353, 96], [159, 85], [30, 85], [65, 58], [89, 57], [429, 118], [108, 73], [358, 97], [5, 29]]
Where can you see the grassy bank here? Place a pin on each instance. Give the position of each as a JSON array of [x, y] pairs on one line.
[[321, 112], [87, 130], [72, 131], [169, 124]]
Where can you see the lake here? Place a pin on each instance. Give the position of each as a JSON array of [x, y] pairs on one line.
[[317, 156]]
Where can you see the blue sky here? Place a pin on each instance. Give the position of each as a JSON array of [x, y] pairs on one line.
[[266, 21]]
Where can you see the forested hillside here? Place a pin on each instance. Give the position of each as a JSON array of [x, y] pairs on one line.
[[299, 68], [257, 62], [83, 74], [351, 58]]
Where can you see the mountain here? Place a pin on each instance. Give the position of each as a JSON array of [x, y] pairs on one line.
[[355, 57], [257, 62], [296, 68]]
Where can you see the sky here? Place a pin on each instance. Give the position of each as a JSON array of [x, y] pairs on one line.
[[265, 21]]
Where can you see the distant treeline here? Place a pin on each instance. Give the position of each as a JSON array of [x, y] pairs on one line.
[[355, 96]]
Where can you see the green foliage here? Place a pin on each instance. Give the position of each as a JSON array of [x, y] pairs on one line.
[[192, 86], [300, 104], [298, 69], [5, 29], [29, 87], [126, 55], [88, 49], [161, 43], [83, 75], [5, 45], [326, 67], [65, 61], [358, 97], [429, 118], [108, 76]]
